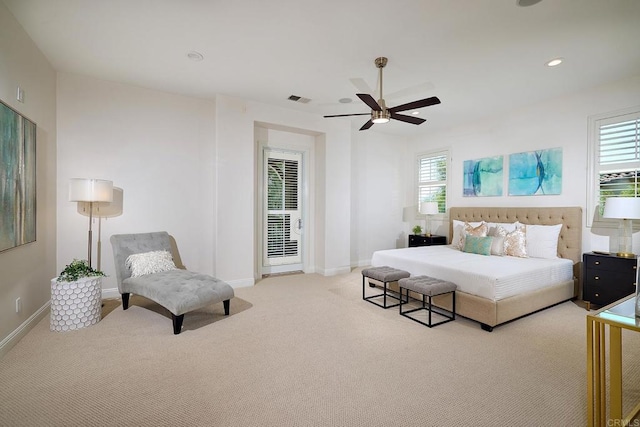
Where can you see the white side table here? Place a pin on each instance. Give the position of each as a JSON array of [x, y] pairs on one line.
[[75, 305]]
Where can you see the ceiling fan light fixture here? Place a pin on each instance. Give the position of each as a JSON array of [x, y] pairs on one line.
[[380, 116]]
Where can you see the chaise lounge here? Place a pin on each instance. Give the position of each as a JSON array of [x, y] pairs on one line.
[[153, 275]]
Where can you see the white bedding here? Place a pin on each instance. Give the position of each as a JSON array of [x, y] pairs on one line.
[[491, 277]]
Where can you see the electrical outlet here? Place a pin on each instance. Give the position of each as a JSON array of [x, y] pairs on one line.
[[18, 305]]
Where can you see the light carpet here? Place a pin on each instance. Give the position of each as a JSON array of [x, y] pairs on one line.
[[303, 350]]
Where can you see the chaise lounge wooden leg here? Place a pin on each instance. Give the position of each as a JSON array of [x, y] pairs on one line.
[[125, 301], [177, 323], [226, 307]]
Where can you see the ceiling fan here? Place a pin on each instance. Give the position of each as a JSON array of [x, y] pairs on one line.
[[379, 111]]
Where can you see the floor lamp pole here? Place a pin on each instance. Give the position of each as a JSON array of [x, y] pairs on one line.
[[90, 221]]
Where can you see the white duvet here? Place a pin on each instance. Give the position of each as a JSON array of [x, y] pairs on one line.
[[492, 277]]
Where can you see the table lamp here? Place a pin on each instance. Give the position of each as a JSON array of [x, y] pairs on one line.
[[626, 209], [428, 209], [91, 191]]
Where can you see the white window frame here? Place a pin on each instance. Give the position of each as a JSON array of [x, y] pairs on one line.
[[594, 219], [428, 154]]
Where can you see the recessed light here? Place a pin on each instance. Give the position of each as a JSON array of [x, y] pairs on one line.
[[525, 3], [554, 62], [345, 100], [195, 56], [415, 113]]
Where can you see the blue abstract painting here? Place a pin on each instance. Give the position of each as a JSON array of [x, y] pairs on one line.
[[536, 173], [17, 179], [482, 177]]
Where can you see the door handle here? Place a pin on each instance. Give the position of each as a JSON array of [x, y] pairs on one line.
[[299, 223]]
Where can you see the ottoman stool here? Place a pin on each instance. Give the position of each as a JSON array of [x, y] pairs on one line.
[[428, 287], [385, 275]]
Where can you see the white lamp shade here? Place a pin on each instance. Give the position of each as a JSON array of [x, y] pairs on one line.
[[429, 208], [104, 209], [622, 208], [90, 190]]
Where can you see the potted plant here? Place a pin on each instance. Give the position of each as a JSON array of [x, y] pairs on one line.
[[76, 297], [417, 230], [78, 269]]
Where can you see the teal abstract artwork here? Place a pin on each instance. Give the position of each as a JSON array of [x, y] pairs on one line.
[[17, 179], [482, 177], [536, 173]]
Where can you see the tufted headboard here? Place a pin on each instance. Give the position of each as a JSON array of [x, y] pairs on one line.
[[569, 243]]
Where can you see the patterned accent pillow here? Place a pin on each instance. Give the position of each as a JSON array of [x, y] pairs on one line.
[[515, 242], [478, 245], [149, 262], [470, 230], [458, 228]]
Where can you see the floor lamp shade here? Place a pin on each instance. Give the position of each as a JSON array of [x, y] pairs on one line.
[[90, 190], [626, 209]]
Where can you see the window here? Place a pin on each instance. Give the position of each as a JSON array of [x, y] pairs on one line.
[[614, 145], [432, 178]]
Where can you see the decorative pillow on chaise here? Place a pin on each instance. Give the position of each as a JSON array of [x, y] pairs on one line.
[[149, 262]]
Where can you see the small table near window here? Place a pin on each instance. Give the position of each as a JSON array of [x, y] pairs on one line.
[[416, 240], [619, 315]]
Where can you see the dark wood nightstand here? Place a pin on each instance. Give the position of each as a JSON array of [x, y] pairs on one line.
[[420, 240], [607, 278]]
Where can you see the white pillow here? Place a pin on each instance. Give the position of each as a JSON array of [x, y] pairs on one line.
[[149, 262], [458, 226], [542, 241]]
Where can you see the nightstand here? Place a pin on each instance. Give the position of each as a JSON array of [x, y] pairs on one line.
[[420, 240], [607, 278]]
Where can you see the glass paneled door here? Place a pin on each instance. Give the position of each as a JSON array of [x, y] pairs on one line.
[[283, 227]]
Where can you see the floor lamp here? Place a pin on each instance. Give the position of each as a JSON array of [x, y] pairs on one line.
[[103, 210], [90, 191]]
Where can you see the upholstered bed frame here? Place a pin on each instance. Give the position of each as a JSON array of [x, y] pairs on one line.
[[492, 313]]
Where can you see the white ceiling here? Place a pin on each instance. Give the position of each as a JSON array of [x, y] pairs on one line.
[[480, 57]]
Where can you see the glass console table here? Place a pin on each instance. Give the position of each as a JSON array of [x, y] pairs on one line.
[[619, 315]]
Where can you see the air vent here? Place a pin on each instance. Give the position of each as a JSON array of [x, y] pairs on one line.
[[296, 98]]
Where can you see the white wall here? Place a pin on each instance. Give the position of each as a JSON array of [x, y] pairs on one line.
[[26, 271], [158, 147], [560, 122], [236, 177], [186, 166], [380, 175]]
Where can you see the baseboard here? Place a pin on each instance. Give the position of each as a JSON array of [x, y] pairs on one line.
[[241, 283], [334, 271], [110, 293], [15, 336], [361, 263]]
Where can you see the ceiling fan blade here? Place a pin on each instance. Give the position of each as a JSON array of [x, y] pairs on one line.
[[367, 125], [346, 115], [368, 99], [409, 119], [416, 104]]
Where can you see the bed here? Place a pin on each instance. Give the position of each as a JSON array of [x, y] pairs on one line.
[[516, 294]]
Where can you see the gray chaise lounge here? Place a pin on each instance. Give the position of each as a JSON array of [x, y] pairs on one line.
[[179, 291]]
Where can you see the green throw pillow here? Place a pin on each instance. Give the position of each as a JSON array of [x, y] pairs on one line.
[[478, 245]]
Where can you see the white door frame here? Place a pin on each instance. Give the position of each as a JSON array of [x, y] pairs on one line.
[[306, 147]]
